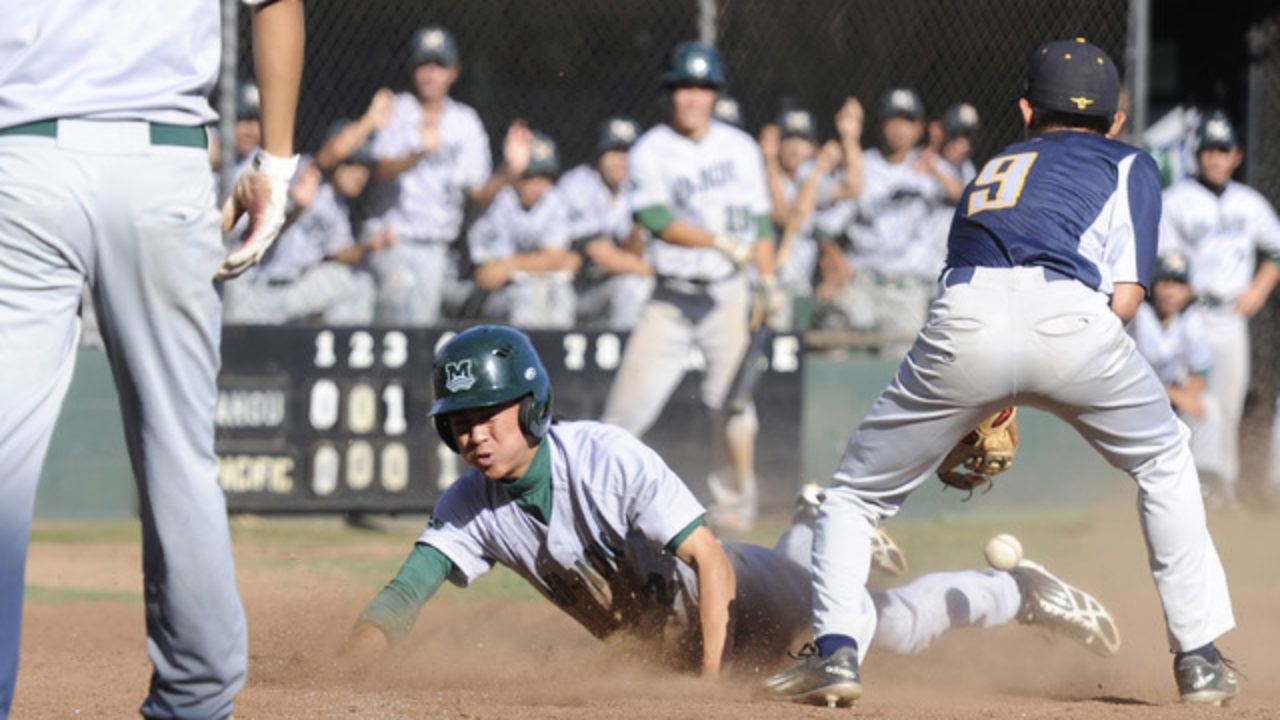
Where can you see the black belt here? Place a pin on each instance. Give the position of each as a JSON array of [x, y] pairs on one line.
[[962, 275], [688, 285], [192, 136]]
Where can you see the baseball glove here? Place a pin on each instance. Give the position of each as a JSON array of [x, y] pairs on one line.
[[987, 450]]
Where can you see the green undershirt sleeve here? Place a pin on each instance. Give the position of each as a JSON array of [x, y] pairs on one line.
[[684, 534], [655, 219], [395, 609], [764, 228]]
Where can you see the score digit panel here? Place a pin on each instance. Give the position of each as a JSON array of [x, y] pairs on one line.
[[335, 419]]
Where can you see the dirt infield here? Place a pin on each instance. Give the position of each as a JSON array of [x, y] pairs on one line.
[[497, 652]]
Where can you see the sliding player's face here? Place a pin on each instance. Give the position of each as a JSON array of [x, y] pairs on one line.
[[491, 441]]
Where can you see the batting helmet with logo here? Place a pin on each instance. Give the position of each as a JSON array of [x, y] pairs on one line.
[[485, 366], [695, 63]]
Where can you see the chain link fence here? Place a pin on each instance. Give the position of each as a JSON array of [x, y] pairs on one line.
[[565, 66], [1262, 162]]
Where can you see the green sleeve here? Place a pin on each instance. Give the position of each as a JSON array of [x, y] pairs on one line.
[[655, 219], [395, 609], [1275, 259], [764, 228], [684, 534]]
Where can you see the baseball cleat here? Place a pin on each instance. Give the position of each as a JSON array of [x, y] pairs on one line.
[[1049, 602], [832, 681], [886, 556], [1204, 682]]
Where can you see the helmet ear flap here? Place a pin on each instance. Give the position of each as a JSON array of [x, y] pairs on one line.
[[533, 417], [445, 432]]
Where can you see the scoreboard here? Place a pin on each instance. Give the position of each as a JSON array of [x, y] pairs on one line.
[[335, 419]]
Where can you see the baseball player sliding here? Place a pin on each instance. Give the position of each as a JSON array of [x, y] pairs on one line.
[[104, 182], [699, 188], [599, 525], [1049, 254]]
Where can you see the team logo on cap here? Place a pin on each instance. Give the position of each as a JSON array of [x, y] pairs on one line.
[[796, 121], [699, 66], [1217, 129], [622, 130], [542, 150], [432, 40], [1082, 102], [458, 376]]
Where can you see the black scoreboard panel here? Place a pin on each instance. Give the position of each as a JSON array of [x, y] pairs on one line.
[[334, 419]]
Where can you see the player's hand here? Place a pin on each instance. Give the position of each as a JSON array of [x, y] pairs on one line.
[[383, 239], [773, 299], [1250, 302], [380, 108], [495, 274], [829, 157], [304, 189], [517, 147], [770, 142], [849, 119], [739, 253], [262, 192], [927, 161], [429, 134], [363, 646]]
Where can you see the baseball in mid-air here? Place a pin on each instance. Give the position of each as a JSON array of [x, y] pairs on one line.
[[1003, 552]]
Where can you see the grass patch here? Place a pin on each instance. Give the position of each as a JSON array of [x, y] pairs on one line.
[[59, 596]]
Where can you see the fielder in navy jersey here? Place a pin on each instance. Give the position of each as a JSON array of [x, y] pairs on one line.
[[1050, 253]]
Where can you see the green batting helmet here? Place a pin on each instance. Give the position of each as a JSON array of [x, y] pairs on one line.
[[485, 366]]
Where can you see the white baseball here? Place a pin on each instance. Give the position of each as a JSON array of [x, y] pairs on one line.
[[1003, 552]]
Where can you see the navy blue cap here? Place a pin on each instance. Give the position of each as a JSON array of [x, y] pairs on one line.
[[695, 63], [1216, 133], [544, 159], [901, 102], [248, 101], [617, 133], [1073, 76], [960, 119], [797, 123], [1172, 266], [727, 110], [433, 44]]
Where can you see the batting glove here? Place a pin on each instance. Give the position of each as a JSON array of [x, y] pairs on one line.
[[262, 192], [774, 300], [738, 253]]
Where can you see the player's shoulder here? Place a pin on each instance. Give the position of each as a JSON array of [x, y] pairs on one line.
[[583, 175], [654, 138], [464, 498], [1239, 192]]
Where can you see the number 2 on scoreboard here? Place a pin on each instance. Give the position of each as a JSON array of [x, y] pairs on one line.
[[1000, 183]]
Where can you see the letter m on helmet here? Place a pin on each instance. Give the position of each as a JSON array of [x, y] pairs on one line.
[[459, 375]]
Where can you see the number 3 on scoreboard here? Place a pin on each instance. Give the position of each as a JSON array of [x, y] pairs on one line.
[[1000, 182]]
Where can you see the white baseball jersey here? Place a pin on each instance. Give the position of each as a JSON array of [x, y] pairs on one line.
[[427, 201], [1177, 350], [888, 223], [151, 60], [507, 228], [716, 183], [593, 210], [615, 505], [320, 231], [1220, 233]]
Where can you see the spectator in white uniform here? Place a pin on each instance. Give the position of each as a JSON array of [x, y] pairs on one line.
[[616, 280], [520, 247]]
